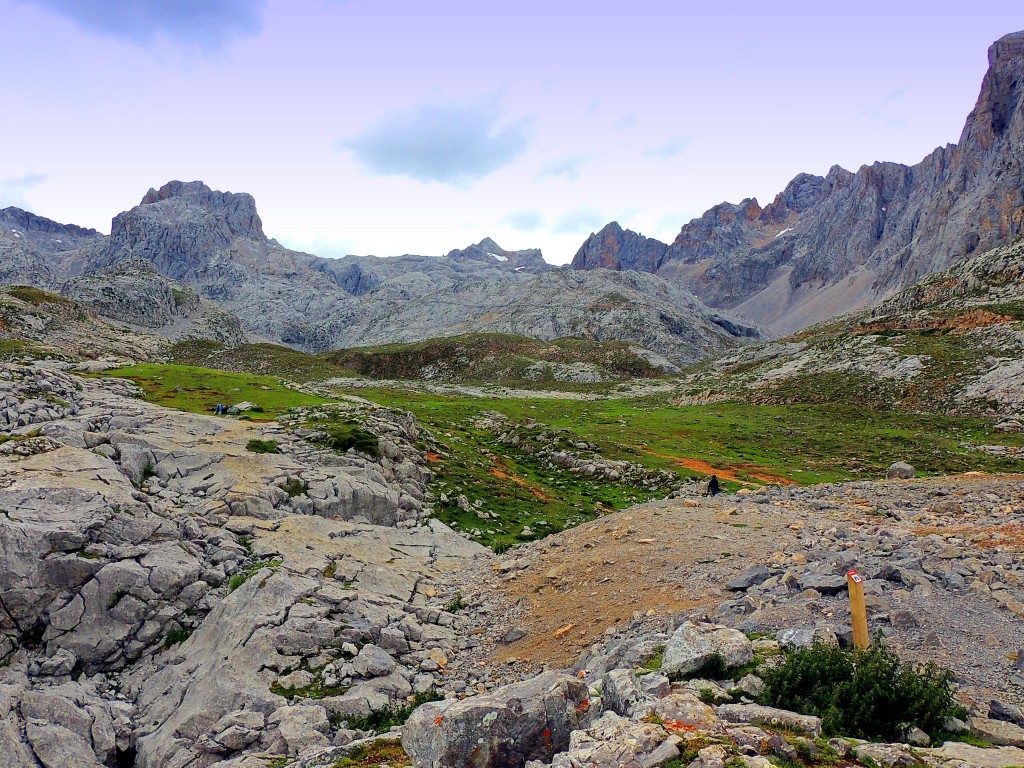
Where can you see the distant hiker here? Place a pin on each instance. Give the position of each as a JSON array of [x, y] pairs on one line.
[[713, 487], [219, 410]]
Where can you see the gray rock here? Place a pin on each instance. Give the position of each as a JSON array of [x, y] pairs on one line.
[[502, 729], [998, 732], [621, 693], [694, 645], [1009, 713], [373, 661], [760, 715], [754, 575], [900, 470]]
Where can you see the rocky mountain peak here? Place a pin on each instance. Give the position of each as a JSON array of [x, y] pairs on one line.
[[490, 252], [617, 248], [237, 209]]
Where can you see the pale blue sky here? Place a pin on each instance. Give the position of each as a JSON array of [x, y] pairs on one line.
[[396, 126]]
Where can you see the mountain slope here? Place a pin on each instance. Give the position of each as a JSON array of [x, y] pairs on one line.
[[213, 243], [832, 244], [954, 343]]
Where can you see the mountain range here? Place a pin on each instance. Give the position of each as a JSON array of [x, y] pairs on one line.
[[843, 241], [187, 252], [189, 261]]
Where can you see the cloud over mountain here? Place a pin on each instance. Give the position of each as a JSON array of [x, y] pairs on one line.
[[451, 143]]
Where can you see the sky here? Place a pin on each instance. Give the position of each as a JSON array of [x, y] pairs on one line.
[[418, 126]]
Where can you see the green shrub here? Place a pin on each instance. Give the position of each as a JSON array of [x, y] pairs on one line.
[[381, 720], [175, 636], [457, 603], [341, 437], [293, 487], [868, 694], [262, 446]]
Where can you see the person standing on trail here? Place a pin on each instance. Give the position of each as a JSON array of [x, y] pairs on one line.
[[713, 487]]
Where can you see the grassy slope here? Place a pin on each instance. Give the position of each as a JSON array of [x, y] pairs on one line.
[[804, 443], [489, 357], [198, 390]]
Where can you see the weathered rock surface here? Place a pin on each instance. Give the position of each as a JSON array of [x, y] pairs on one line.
[[694, 645], [527, 721], [831, 244]]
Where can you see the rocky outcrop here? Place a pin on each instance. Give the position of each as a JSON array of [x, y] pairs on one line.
[[831, 244], [133, 292], [616, 248], [32, 247], [169, 597], [211, 244], [529, 721]]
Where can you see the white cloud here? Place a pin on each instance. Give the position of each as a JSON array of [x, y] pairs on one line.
[[14, 190], [451, 143], [207, 24]]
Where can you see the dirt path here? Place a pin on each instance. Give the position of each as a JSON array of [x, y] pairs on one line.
[[665, 557]]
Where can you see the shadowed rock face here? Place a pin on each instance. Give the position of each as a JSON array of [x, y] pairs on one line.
[[616, 248], [831, 244]]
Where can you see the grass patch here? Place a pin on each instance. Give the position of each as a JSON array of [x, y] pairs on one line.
[[176, 636], [343, 437], [262, 446], [315, 690], [380, 754], [457, 604], [653, 664], [381, 720], [198, 390], [32, 295], [868, 694], [247, 573], [293, 487]]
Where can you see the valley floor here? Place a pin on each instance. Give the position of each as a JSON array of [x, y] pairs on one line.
[[942, 558]]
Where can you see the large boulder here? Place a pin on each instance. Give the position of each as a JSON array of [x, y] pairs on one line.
[[900, 470], [692, 646], [524, 721]]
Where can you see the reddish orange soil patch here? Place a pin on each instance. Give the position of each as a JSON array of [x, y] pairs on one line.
[[505, 475], [433, 458], [966, 321], [724, 473]]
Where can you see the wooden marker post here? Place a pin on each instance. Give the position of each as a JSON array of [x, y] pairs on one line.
[[858, 611]]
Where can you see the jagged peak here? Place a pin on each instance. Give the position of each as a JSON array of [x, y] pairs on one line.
[[237, 208], [1008, 47]]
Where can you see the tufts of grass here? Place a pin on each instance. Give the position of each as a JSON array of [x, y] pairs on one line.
[[198, 390], [293, 487], [380, 754], [381, 720], [247, 573], [261, 446], [457, 603], [33, 295], [175, 636]]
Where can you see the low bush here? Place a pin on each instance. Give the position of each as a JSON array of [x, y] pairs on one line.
[[869, 694], [342, 437], [261, 446], [383, 719]]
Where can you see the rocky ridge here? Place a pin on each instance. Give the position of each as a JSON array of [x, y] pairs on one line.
[[952, 342], [213, 243], [832, 244]]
